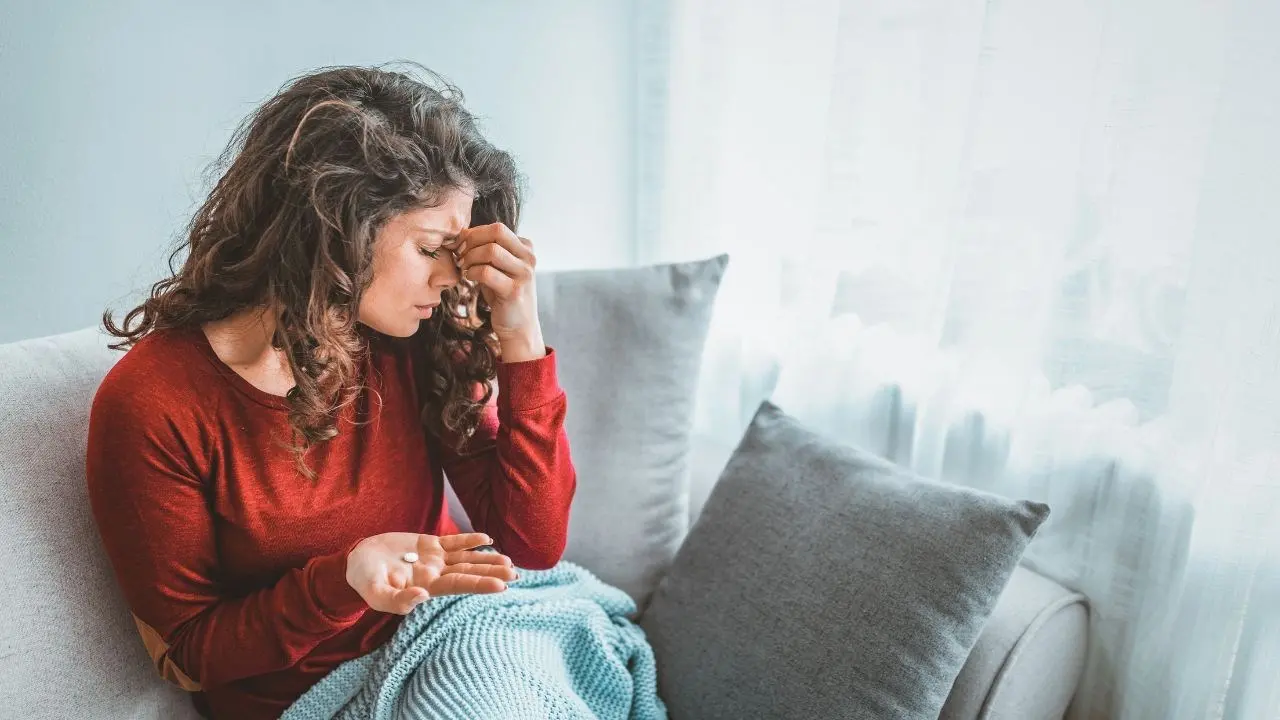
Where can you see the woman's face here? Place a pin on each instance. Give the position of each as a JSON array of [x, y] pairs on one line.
[[410, 268]]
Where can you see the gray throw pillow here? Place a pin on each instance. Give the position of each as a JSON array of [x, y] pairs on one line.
[[628, 348], [823, 582]]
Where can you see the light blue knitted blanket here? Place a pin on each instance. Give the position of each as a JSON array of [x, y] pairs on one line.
[[557, 644]]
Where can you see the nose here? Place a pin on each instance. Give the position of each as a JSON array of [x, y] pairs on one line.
[[444, 273]]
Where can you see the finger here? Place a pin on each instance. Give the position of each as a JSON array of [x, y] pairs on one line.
[[498, 282], [383, 595], [464, 541], [497, 256], [403, 601], [499, 234], [458, 583], [470, 237], [502, 572], [401, 575], [477, 557], [391, 599], [428, 545]]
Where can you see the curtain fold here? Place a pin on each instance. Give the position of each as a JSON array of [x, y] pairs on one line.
[[1032, 247]]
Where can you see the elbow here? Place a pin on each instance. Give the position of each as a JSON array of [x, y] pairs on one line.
[[541, 545], [162, 657], [540, 561], [539, 556]]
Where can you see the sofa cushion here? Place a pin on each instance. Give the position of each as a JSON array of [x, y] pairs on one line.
[[70, 647], [821, 581], [628, 347]]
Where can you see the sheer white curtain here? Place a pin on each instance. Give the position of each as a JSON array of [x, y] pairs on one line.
[[1031, 246]]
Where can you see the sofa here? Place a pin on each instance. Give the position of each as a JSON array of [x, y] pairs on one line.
[[69, 649]]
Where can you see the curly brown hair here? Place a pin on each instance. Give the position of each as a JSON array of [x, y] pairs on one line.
[[305, 183]]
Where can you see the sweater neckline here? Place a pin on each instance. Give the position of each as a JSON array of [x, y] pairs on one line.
[[253, 392]]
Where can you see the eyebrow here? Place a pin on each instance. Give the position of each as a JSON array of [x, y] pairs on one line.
[[435, 231]]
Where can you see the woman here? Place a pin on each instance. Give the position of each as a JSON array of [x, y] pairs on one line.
[[265, 462]]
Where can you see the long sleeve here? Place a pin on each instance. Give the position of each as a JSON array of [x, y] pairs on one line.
[[515, 477], [153, 513]]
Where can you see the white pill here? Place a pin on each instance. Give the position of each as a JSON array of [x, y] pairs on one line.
[[411, 557]]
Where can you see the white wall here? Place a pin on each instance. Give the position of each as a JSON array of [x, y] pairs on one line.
[[113, 110]]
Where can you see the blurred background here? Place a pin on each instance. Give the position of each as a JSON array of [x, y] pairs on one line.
[[1030, 246], [113, 111]]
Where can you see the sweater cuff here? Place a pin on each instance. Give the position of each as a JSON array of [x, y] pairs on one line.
[[333, 595], [528, 384]]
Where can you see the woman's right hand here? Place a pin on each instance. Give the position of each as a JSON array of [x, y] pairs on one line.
[[446, 565]]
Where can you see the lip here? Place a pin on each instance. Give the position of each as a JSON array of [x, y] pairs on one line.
[[424, 311]]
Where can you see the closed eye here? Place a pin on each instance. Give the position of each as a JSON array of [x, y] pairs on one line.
[[429, 252]]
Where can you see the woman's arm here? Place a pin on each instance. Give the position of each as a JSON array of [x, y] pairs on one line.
[[514, 477], [157, 529]]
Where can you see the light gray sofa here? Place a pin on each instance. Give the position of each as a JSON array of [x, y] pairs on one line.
[[68, 647]]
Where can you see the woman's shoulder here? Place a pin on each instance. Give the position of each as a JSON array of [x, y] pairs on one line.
[[163, 369], [152, 405]]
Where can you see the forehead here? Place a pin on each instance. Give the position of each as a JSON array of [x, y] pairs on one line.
[[451, 215]]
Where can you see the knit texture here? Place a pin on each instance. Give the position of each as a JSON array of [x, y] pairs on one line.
[[558, 644]]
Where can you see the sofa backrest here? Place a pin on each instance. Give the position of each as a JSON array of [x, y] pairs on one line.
[[69, 646], [628, 343]]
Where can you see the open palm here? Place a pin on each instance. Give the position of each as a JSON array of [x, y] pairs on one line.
[[445, 565]]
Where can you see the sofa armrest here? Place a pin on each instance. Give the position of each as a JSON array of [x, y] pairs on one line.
[[1029, 658]]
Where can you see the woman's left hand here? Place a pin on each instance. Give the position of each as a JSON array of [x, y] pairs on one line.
[[502, 265]]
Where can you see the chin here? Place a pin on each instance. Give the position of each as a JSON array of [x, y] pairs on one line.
[[399, 329], [406, 330]]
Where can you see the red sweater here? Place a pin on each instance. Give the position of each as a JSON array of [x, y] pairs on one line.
[[234, 565]]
